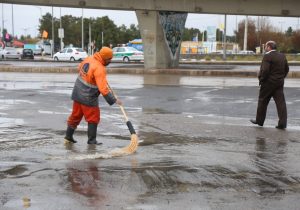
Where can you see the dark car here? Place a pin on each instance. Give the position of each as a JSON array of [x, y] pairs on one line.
[[27, 54]]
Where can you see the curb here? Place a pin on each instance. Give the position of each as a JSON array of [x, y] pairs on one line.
[[183, 72]]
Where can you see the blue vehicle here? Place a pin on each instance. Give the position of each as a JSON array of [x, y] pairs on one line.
[[137, 44]]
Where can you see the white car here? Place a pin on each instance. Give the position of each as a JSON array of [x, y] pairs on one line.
[[10, 52], [127, 54], [1, 53], [246, 52], [70, 54]]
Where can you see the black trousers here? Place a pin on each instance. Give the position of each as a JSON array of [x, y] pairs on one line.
[[266, 92]]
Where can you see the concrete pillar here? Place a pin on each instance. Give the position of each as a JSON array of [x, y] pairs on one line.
[[161, 34]]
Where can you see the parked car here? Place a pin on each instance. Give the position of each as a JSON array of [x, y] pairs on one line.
[[246, 52], [27, 54], [10, 52], [1, 53], [70, 54], [127, 54]]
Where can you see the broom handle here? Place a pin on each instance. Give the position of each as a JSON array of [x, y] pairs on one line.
[[124, 113], [121, 107]]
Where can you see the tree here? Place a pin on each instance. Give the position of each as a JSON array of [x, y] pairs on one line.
[[46, 23], [289, 32], [295, 40], [230, 38], [251, 36], [102, 25], [4, 31], [72, 30], [265, 31], [190, 33], [109, 30], [219, 35], [126, 35]]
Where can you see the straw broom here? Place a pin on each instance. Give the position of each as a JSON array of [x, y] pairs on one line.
[[132, 147]]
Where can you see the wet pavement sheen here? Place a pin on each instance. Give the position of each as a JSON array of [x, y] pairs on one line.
[[197, 148]]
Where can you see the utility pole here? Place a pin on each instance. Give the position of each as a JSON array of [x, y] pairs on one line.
[[60, 28], [102, 41], [237, 30], [12, 20], [25, 31], [258, 33], [281, 22], [225, 41], [2, 29], [246, 33], [90, 39], [52, 45], [40, 18], [82, 38]]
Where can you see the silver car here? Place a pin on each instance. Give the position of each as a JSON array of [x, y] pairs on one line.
[[10, 53]]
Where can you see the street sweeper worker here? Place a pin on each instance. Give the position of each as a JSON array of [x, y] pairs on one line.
[[91, 82]]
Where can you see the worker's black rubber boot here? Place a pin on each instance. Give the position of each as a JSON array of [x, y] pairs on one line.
[[92, 134], [69, 135]]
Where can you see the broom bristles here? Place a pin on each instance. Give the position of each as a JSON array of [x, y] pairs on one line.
[[132, 147]]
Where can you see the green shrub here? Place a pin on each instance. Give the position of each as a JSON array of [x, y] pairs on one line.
[[207, 58]]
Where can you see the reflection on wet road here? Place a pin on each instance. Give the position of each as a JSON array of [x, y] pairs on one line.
[[197, 148]]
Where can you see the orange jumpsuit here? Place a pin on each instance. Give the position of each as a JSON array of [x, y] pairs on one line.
[[91, 82]]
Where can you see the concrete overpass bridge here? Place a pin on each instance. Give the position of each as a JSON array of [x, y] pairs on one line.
[[161, 22]]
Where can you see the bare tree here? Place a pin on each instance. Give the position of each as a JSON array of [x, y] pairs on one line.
[[252, 39]]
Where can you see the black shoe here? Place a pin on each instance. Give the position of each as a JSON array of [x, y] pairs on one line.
[[280, 127], [254, 122]]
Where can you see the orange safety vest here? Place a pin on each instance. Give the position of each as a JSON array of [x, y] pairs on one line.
[[91, 82]]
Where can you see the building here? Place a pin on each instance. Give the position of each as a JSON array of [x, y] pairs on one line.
[[192, 47]]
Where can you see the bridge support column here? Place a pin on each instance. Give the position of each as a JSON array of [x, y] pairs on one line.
[[161, 34]]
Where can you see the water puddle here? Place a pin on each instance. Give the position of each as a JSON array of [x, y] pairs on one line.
[[117, 152], [9, 122]]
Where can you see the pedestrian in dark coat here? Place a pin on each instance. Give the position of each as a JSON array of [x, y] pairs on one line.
[[273, 70]]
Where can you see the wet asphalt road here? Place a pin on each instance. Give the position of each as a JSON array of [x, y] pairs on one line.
[[197, 148]]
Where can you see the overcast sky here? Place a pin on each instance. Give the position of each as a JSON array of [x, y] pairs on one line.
[[26, 18]]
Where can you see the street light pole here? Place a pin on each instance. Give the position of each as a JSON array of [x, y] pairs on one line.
[[90, 39], [41, 18], [61, 41], [12, 20], [102, 39], [225, 42], [246, 33], [82, 38], [2, 29], [281, 22], [25, 31], [40, 11], [52, 45]]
